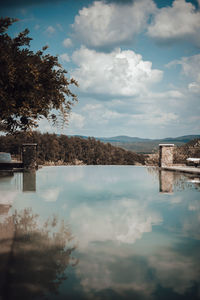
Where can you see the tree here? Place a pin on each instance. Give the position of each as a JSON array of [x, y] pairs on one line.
[[32, 85]]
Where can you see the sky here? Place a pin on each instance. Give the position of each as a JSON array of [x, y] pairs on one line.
[[137, 62]]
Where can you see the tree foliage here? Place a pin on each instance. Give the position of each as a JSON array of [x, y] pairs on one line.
[[32, 85], [190, 149], [67, 150]]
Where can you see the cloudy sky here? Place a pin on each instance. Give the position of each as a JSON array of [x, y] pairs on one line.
[[137, 62]]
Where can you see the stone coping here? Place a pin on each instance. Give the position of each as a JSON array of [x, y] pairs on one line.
[[167, 145]]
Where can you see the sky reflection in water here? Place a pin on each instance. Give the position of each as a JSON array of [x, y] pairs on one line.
[[100, 232]]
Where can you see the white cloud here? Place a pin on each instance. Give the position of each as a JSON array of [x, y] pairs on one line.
[[100, 114], [116, 73], [180, 21], [170, 94], [194, 87], [153, 117], [50, 30], [76, 120], [191, 69], [175, 94], [65, 57], [92, 107], [150, 114], [162, 118], [107, 24], [67, 43], [191, 66]]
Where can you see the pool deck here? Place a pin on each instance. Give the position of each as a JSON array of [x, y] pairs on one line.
[[183, 169]]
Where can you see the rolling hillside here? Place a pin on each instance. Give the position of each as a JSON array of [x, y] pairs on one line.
[[142, 145]]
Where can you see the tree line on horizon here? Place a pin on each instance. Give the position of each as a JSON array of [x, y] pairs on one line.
[[67, 150]]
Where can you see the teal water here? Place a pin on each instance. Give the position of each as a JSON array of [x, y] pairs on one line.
[[99, 232]]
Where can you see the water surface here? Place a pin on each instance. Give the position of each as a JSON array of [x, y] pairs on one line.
[[99, 232]]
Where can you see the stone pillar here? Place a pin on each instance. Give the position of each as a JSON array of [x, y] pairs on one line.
[[166, 155], [29, 156]]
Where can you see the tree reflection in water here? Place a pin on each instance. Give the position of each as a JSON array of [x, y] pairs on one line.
[[38, 256]]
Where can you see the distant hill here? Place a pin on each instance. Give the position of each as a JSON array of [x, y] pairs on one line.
[[123, 139], [142, 145]]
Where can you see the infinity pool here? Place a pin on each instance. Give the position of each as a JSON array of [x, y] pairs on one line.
[[99, 232]]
